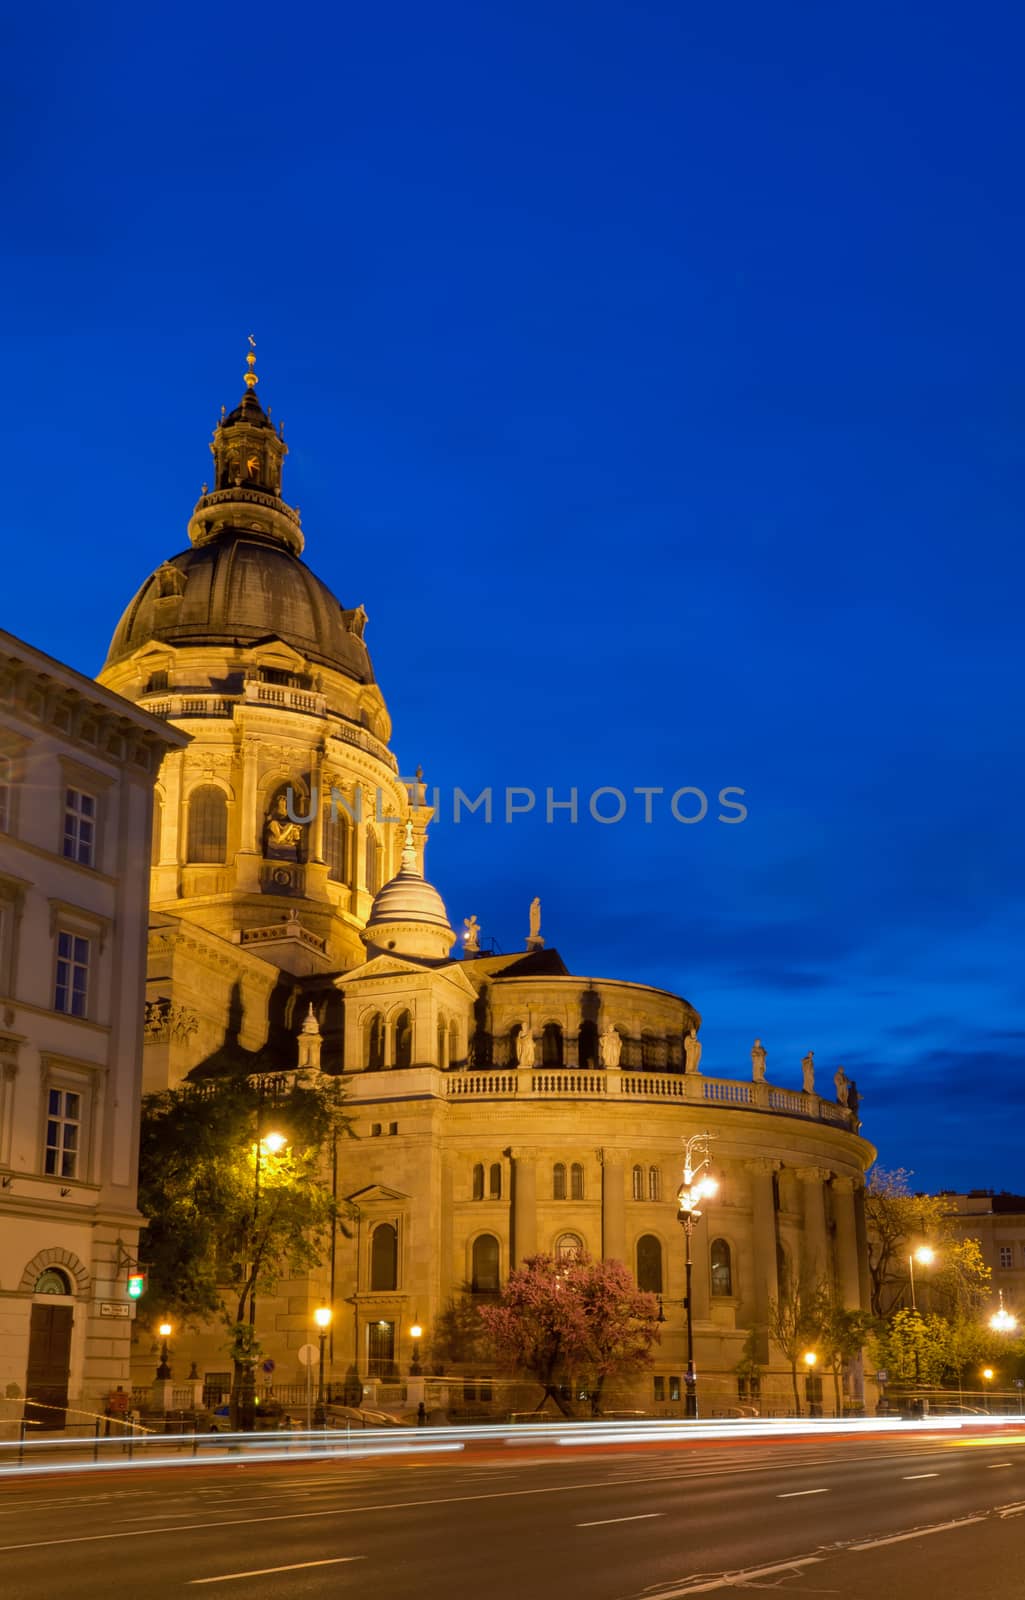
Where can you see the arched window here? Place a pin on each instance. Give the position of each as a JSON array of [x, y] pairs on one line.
[[158, 821], [403, 1040], [649, 1050], [649, 1263], [453, 1042], [576, 1181], [514, 1034], [722, 1267], [478, 1181], [569, 1247], [654, 1184], [384, 1257], [442, 1045], [551, 1045], [372, 863], [337, 844], [52, 1281], [638, 1183], [375, 1043], [208, 825], [587, 1045], [495, 1181], [559, 1181], [484, 1278]]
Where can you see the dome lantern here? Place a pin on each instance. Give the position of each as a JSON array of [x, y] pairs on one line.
[[408, 916]]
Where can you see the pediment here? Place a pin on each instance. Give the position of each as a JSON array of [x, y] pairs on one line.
[[383, 967], [377, 1192]]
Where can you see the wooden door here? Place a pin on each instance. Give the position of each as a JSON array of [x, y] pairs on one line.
[[49, 1366]]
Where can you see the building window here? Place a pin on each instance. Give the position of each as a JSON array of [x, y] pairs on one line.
[[381, 1349], [568, 1247], [1007, 1255], [337, 835], [372, 863], [649, 1263], [6, 785], [72, 985], [404, 1040], [674, 1388], [660, 1388], [384, 1257], [375, 1043], [478, 1181], [576, 1181], [587, 1045], [551, 1045], [375, 1130], [393, 1127], [63, 1133], [79, 827], [484, 1279], [722, 1267], [559, 1181], [52, 1281], [495, 1181], [654, 1184], [649, 1050], [208, 826], [638, 1183]]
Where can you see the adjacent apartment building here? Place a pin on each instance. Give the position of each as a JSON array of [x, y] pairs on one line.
[[77, 765]]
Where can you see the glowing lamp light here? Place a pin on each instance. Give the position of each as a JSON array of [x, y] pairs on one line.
[[416, 1332], [1002, 1320], [810, 1358], [322, 1316], [987, 1373], [273, 1143], [165, 1330], [925, 1254]]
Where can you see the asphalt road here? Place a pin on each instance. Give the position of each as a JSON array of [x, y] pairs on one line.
[[886, 1517]]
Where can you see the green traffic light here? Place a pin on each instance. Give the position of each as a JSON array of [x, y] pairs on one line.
[[136, 1285]]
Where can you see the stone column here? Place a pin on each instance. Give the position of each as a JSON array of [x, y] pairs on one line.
[[846, 1243], [861, 1231], [813, 1210], [763, 1231], [524, 1206], [315, 853], [613, 1207]]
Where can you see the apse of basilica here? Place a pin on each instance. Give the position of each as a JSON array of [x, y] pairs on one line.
[[502, 1105]]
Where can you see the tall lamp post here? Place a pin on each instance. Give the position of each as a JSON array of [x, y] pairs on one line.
[[692, 1191], [416, 1333], [165, 1331], [267, 1144], [925, 1255], [322, 1317]]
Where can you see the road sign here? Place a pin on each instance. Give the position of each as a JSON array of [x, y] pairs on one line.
[[882, 1376], [268, 1366], [1019, 1383], [109, 1308], [307, 1354]]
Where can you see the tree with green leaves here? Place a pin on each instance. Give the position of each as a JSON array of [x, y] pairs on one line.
[[794, 1319], [229, 1209], [840, 1336], [898, 1222]]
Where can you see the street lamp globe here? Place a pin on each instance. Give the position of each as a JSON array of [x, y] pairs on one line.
[[925, 1255], [987, 1373], [810, 1358], [165, 1330], [322, 1316], [1002, 1320], [273, 1143]]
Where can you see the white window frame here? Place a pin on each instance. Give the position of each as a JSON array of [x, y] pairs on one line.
[[81, 826], [60, 1120], [64, 1076], [88, 966]]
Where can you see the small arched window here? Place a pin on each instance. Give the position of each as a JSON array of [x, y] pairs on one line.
[[375, 1043], [649, 1263], [569, 1247], [649, 1050], [551, 1045], [478, 1181], [495, 1181], [638, 1183], [587, 1045], [559, 1181], [384, 1257], [208, 825], [52, 1281], [337, 844], [453, 1043], [442, 1045], [654, 1184], [403, 1040], [372, 863], [722, 1267], [576, 1181], [484, 1279]]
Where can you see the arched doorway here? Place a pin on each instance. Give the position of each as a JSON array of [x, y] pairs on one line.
[[49, 1350]]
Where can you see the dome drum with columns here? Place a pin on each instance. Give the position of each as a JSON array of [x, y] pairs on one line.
[[502, 1104]]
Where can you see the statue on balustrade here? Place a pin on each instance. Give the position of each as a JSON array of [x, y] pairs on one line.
[[842, 1083], [692, 1051], [525, 1048], [610, 1047], [758, 1061], [808, 1072]]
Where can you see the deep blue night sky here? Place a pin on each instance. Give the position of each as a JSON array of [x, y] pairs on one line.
[[654, 375]]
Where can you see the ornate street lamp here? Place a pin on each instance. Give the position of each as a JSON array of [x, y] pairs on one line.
[[692, 1191], [416, 1333], [1002, 1320], [165, 1331], [925, 1255], [322, 1317], [267, 1144]]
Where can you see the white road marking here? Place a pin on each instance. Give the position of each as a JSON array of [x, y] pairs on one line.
[[642, 1516], [795, 1494], [992, 1467], [738, 1579], [910, 1476], [262, 1572], [916, 1533]]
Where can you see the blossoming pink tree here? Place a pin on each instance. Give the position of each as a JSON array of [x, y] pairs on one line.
[[579, 1321]]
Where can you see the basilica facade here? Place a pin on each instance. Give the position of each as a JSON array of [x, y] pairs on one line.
[[502, 1105]]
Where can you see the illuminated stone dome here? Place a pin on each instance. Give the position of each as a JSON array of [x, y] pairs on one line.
[[408, 916]]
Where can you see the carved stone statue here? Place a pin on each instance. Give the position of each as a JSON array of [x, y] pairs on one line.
[[471, 935], [842, 1083], [534, 939], [610, 1047], [853, 1097], [758, 1062], [692, 1051], [808, 1071], [282, 838], [525, 1048]]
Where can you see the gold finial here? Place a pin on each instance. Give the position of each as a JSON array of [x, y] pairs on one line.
[[251, 379]]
